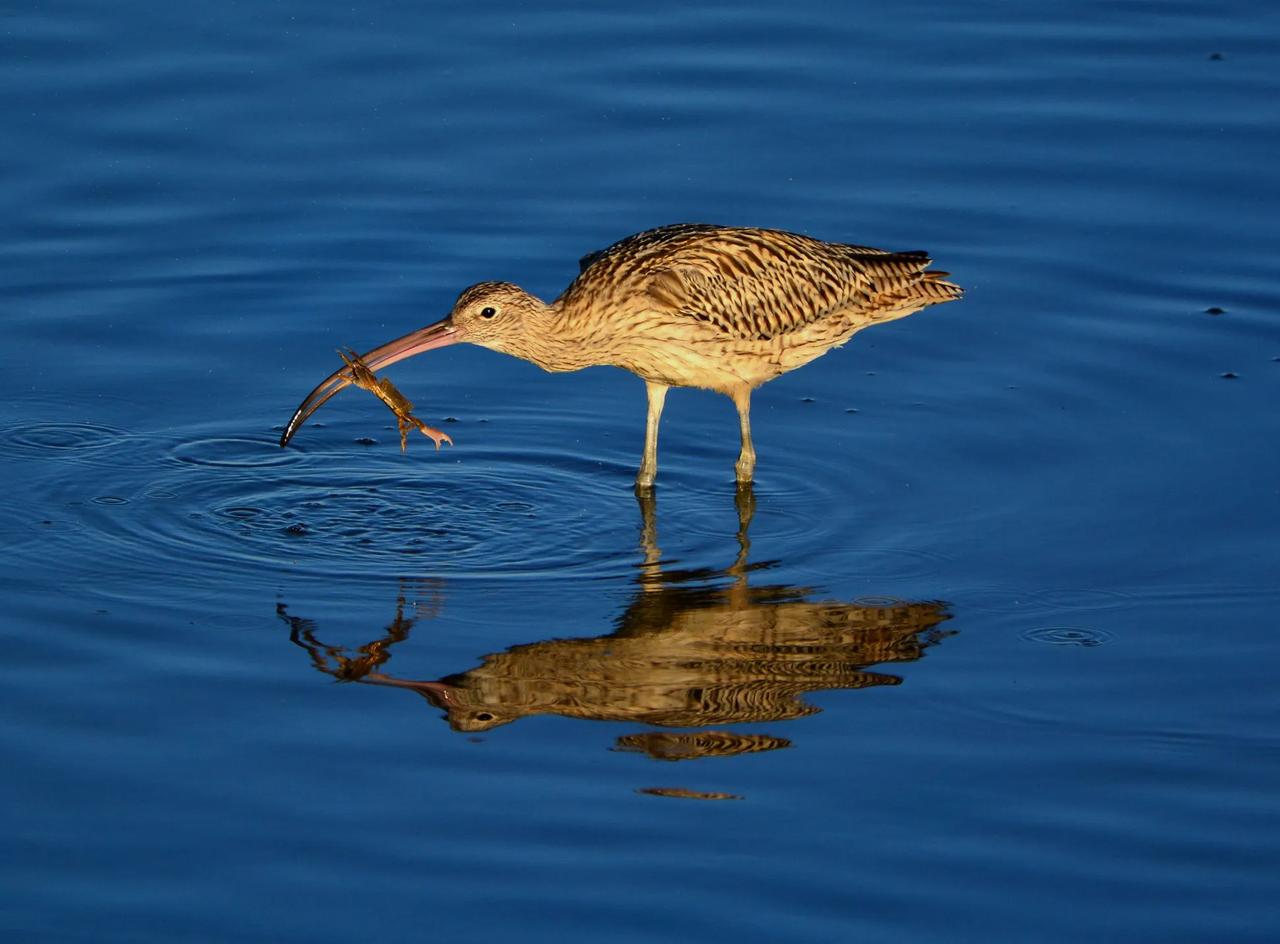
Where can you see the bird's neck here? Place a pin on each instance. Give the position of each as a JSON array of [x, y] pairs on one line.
[[554, 341]]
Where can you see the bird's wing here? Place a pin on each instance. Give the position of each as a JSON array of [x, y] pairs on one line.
[[759, 289]]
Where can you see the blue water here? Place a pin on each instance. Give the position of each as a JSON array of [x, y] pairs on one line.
[[992, 657]]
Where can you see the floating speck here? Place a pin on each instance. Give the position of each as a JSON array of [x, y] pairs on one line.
[[852, 409], [366, 441], [451, 419], [296, 530], [1216, 57], [1215, 310], [1230, 375], [806, 400]]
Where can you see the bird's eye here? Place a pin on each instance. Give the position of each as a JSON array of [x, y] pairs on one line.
[[484, 715], [488, 312]]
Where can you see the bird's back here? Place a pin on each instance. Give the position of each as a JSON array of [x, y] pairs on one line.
[[756, 283], [740, 304]]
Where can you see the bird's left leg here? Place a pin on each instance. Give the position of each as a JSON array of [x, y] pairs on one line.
[[649, 462], [746, 465]]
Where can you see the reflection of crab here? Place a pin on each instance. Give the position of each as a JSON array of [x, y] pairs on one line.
[[359, 665], [397, 402], [332, 660]]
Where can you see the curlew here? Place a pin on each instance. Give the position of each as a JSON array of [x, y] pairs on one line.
[[691, 305]]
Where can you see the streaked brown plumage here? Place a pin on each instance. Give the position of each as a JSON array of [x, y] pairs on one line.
[[690, 305]]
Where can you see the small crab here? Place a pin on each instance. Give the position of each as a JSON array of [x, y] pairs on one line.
[[397, 402]]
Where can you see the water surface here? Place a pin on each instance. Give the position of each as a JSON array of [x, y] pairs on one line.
[[990, 655]]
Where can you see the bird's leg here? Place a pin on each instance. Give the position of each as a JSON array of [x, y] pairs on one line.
[[651, 569], [745, 502], [649, 462], [746, 465]]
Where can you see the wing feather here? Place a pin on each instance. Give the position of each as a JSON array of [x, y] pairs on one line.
[[763, 288], [758, 284]]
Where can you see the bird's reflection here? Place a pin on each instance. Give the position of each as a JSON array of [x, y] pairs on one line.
[[694, 648]]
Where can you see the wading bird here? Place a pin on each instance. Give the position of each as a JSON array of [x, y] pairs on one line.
[[691, 305]]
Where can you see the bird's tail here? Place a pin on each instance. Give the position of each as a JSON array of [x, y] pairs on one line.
[[934, 286], [904, 278]]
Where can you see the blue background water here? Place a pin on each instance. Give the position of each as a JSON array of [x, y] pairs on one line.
[[201, 201]]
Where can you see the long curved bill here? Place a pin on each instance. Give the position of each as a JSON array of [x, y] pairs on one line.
[[440, 334]]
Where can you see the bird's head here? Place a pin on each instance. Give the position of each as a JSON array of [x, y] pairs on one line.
[[496, 315]]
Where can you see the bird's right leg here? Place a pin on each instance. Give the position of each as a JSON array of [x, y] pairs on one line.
[[649, 461], [746, 464]]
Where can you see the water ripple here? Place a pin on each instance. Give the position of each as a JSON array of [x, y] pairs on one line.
[[233, 453], [890, 562], [247, 510], [1068, 636], [242, 509], [1052, 600], [473, 518], [72, 438]]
